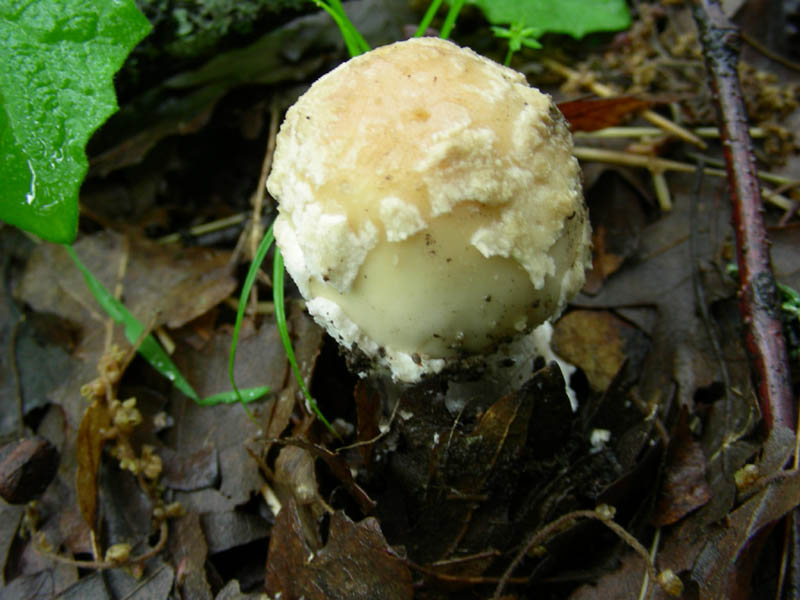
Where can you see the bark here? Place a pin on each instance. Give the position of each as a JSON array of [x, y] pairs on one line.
[[758, 294]]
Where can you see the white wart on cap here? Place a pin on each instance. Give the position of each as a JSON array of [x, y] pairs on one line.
[[430, 207]]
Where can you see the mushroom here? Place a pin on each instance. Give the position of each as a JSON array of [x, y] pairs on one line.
[[430, 208]]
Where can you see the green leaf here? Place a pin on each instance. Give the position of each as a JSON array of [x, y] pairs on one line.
[[572, 17], [56, 88]]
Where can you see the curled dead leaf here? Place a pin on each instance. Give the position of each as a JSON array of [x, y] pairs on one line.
[[91, 436]]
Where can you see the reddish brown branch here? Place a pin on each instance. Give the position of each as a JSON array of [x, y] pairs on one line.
[[758, 293]]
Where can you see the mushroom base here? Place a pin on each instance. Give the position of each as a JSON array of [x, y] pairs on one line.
[[490, 375]]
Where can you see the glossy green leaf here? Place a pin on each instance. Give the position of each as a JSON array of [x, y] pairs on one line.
[[56, 88], [572, 17]]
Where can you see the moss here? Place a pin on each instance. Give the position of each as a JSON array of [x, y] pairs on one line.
[[193, 28], [186, 33]]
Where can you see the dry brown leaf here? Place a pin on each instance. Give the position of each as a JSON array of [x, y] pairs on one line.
[[618, 205], [355, 564], [685, 487], [91, 436], [591, 114], [162, 285], [716, 567], [27, 466], [338, 467], [294, 468], [599, 343]]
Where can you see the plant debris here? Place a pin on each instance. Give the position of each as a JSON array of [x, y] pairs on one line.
[[666, 479]]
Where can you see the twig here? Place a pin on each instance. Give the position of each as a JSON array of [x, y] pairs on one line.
[[655, 163], [463, 579], [786, 183], [565, 521], [605, 91], [653, 551], [375, 438], [638, 132], [105, 564], [758, 292], [662, 190], [769, 53], [256, 229], [264, 307], [204, 228]]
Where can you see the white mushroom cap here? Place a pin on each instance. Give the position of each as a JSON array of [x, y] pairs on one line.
[[430, 206]]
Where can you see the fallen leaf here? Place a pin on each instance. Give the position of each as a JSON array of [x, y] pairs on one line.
[[194, 471], [158, 282], [183, 104], [339, 468], [619, 213], [127, 509], [231, 529], [294, 468], [355, 564], [189, 549], [684, 488], [44, 348], [599, 343], [10, 517], [232, 591], [27, 466], [154, 586], [624, 583], [38, 586], [682, 360], [89, 588], [726, 546], [591, 114]]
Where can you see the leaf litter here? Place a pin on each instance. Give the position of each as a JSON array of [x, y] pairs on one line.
[[435, 489]]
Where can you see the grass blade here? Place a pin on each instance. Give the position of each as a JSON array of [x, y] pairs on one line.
[[149, 348], [255, 265], [280, 317], [428, 18], [231, 396], [450, 19], [355, 42]]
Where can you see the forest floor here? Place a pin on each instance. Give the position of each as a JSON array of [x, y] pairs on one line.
[[419, 495]]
